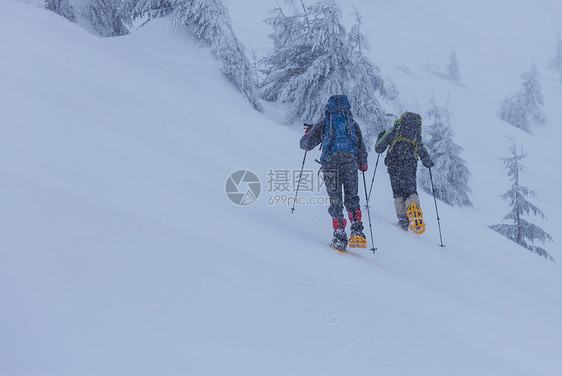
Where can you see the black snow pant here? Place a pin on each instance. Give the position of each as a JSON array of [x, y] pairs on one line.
[[403, 179], [340, 177]]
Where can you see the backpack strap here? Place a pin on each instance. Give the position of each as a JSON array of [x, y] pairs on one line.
[[348, 126], [332, 138]]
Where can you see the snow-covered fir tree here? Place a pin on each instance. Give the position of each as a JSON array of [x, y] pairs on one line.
[[555, 63], [356, 37], [366, 105], [313, 58], [450, 173], [62, 8], [511, 112], [208, 21], [106, 18], [531, 96], [254, 65], [520, 230], [524, 108], [453, 68], [149, 8]]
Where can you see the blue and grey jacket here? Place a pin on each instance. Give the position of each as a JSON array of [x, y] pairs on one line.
[[315, 137]]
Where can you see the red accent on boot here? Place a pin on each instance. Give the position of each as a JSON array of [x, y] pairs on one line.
[[357, 216], [339, 223]]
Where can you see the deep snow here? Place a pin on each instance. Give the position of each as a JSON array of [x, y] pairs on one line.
[[121, 254]]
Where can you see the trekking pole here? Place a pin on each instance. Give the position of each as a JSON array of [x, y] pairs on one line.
[[436, 211], [299, 183], [368, 213], [373, 179]]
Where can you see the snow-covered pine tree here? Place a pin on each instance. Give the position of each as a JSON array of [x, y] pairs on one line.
[[356, 37], [313, 59], [293, 71], [208, 21], [106, 18], [254, 65], [450, 173], [555, 63], [62, 8], [531, 96], [366, 105], [150, 8], [524, 108], [511, 112], [521, 231], [453, 68]]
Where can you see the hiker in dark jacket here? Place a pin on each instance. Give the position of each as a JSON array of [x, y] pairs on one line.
[[343, 153], [404, 145]]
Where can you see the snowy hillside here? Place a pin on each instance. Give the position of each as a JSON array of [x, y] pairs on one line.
[[121, 254]]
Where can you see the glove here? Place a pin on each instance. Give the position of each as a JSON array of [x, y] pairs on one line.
[[308, 127], [428, 163], [363, 168]]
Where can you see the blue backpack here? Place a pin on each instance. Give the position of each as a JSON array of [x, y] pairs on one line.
[[340, 140]]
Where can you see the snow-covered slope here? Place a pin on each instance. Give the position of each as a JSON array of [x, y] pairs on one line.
[[121, 254]]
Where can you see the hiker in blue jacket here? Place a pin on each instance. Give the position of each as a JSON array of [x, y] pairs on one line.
[[343, 154]]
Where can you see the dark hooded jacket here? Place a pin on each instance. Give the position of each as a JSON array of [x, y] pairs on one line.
[[402, 152]]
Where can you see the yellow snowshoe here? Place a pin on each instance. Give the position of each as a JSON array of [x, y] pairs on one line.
[[357, 241], [415, 216]]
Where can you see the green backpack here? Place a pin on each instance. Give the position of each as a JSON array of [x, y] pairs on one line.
[[409, 128]]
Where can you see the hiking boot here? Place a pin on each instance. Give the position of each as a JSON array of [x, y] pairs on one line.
[[403, 222], [357, 238], [356, 228], [339, 240]]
